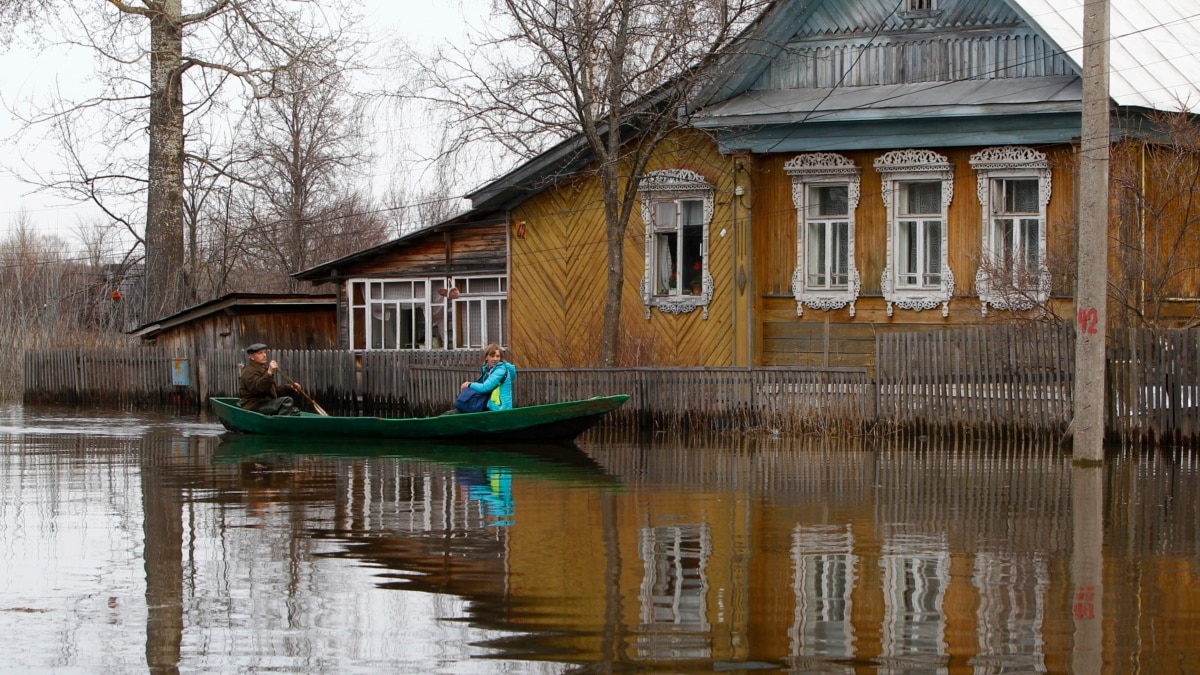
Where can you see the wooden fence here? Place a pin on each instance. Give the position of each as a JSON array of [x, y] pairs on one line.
[[994, 380], [1004, 380], [1154, 385]]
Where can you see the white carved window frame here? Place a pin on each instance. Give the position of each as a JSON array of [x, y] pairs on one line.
[[675, 184], [1010, 161], [823, 168], [905, 166]]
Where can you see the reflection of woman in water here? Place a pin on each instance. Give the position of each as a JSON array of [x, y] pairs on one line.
[[492, 488]]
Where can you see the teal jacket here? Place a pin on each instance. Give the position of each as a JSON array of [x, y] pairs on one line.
[[502, 375]]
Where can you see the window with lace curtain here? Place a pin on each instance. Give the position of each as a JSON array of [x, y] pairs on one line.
[[677, 208]]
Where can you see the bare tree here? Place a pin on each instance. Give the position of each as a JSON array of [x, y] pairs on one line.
[[155, 50], [614, 73], [306, 150]]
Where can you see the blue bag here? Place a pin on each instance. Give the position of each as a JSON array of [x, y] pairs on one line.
[[471, 401]]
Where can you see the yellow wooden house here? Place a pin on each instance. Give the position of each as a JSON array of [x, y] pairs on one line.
[[878, 166]]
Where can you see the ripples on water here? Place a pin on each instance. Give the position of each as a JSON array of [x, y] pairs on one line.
[[152, 542]]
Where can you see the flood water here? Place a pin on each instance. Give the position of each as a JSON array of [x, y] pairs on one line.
[[149, 542]]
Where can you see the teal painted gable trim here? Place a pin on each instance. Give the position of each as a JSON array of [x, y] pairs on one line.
[[935, 133], [753, 54]]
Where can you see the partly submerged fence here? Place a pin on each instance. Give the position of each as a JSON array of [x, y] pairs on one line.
[[1014, 380]]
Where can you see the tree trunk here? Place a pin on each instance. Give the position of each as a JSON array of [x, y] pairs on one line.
[[164, 199], [615, 229]]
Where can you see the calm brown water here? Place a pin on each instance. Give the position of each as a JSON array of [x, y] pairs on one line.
[[154, 543]]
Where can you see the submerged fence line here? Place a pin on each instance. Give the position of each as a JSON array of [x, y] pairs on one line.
[[997, 380]]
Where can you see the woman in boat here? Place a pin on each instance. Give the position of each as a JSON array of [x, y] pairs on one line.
[[496, 377]]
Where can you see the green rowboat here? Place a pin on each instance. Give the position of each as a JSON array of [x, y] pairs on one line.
[[550, 422]]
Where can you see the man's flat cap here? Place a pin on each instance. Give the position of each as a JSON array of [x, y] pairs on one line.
[[256, 347]]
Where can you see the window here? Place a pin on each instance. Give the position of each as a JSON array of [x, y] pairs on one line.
[[919, 235], [390, 314], [825, 190], [916, 574], [677, 207], [825, 569], [466, 313], [480, 310], [919, 9], [1014, 189], [917, 188], [674, 592]]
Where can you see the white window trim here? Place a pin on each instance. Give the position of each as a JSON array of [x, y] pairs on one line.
[[675, 184], [1011, 161], [823, 168], [449, 303], [903, 166], [428, 302], [458, 299]]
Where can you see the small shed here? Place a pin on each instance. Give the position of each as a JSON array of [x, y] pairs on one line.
[[232, 321]]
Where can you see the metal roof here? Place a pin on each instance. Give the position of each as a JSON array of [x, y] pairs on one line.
[[1154, 46], [891, 102]]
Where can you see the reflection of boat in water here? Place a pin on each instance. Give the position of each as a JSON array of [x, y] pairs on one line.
[[552, 421], [553, 461]]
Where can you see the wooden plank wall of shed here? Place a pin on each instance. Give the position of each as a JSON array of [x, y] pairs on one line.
[[834, 338], [556, 294], [280, 327]]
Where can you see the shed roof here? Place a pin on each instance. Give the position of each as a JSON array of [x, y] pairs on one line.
[[329, 270], [234, 302]]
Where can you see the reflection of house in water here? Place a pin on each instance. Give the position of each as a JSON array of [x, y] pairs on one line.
[[825, 569], [811, 555], [893, 557], [674, 593]]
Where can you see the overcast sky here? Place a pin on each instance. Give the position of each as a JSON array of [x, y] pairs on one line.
[[26, 73]]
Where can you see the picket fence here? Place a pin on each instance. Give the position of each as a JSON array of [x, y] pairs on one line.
[[1013, 380]]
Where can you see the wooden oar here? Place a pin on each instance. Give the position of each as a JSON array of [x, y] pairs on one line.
[[316, 406]]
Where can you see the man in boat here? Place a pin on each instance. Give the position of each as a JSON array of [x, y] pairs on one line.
[[256, 385]]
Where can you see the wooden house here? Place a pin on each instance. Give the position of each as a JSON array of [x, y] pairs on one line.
[[236, 320], [872, 166], [877, 165]]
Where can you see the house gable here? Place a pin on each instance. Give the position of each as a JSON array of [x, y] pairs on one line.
[[966, 73], [870, 43]]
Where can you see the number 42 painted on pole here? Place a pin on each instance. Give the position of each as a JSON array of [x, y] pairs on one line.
[[1089, 318]]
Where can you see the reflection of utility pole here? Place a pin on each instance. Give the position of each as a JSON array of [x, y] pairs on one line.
[[1091, 286], [1087, 568]]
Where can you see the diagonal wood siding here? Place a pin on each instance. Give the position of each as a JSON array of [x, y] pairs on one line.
[[558, 275]]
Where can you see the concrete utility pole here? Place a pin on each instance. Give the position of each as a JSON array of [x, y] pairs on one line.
[[1091, 292]]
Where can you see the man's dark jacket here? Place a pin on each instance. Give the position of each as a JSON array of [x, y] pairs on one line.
[[256, 386]]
